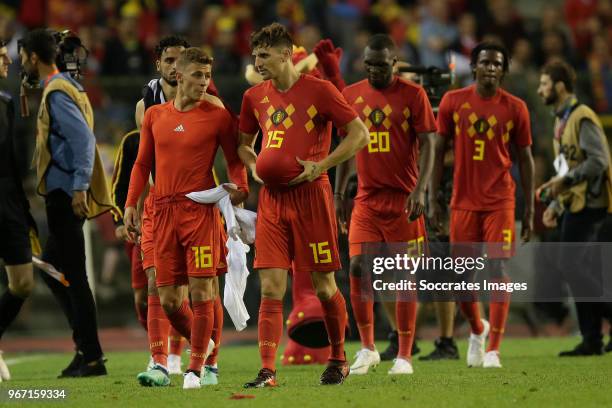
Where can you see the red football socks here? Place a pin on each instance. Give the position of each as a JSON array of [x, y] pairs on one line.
[[182, 319], [498, 314], [406, 313], [471, 312], [335, 317], [216, 333], [270, 330], [203, 319], [363, 309], [158, 327]]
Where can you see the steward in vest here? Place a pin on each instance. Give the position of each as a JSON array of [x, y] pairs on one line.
[[581, 195], [70, 177]]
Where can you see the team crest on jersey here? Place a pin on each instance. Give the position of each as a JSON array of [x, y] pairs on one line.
[[278, 116], [377, 116], [481, 126]]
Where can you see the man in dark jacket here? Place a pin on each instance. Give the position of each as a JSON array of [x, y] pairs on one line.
[[15, 247]]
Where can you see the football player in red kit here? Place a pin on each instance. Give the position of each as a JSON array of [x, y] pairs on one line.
[[486, 123], [296, 223], [392, 172], [187, 248]]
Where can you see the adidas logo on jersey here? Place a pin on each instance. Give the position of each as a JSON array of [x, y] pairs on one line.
[[265, 100], [179, 128]]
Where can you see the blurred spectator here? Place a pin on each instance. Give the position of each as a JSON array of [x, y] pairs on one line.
[[353, 55], [32, 13], [600, 72], [505, 23], [290, 14], [522, 58], [308, 36], [224, 47], [124, 54], [552, 22], [69, 14], [468, 34], [345, 17], [554, 46], [580, 15], [437, 34], [391, 15]]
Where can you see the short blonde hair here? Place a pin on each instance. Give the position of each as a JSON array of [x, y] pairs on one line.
[[193, 55]]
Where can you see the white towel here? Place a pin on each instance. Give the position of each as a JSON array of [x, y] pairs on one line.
[[240, 225]]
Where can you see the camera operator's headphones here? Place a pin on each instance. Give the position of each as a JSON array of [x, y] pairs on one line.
[[71, 57], [71, 53]]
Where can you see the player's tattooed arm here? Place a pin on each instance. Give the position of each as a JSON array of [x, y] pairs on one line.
[[139, 114], [357, 137], [415, 205], [246, 152], [526, 169], [435, 210]]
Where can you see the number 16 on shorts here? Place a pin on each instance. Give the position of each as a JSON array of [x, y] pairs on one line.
[[203, 256]]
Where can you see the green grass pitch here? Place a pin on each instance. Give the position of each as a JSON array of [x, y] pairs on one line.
[[532, 376]]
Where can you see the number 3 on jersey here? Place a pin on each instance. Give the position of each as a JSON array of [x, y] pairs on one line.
[[479, 148], [379, 142], [275, 139]]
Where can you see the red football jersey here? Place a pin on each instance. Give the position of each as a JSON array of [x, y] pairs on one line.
[[483, 130], [394, 116], [295, 123], [184, 145]]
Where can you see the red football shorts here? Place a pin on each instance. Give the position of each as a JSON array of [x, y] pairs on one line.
[[146, 233], [296, 228], [381, 218], [187, 240], [492, 227], [139, 279]]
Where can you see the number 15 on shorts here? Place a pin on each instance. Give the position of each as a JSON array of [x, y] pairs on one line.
[[203, 256], [321, 252]]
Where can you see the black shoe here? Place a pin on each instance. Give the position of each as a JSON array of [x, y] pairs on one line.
[[392, 349], [95, 368], [415, 348], [583, 349], [73, 368], [445, 349], [265, 378], [335, 373]]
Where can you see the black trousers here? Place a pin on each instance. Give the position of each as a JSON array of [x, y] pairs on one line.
[[582, 269], [65, 250]]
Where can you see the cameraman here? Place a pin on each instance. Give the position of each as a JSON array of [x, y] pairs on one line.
[[71, 178]]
